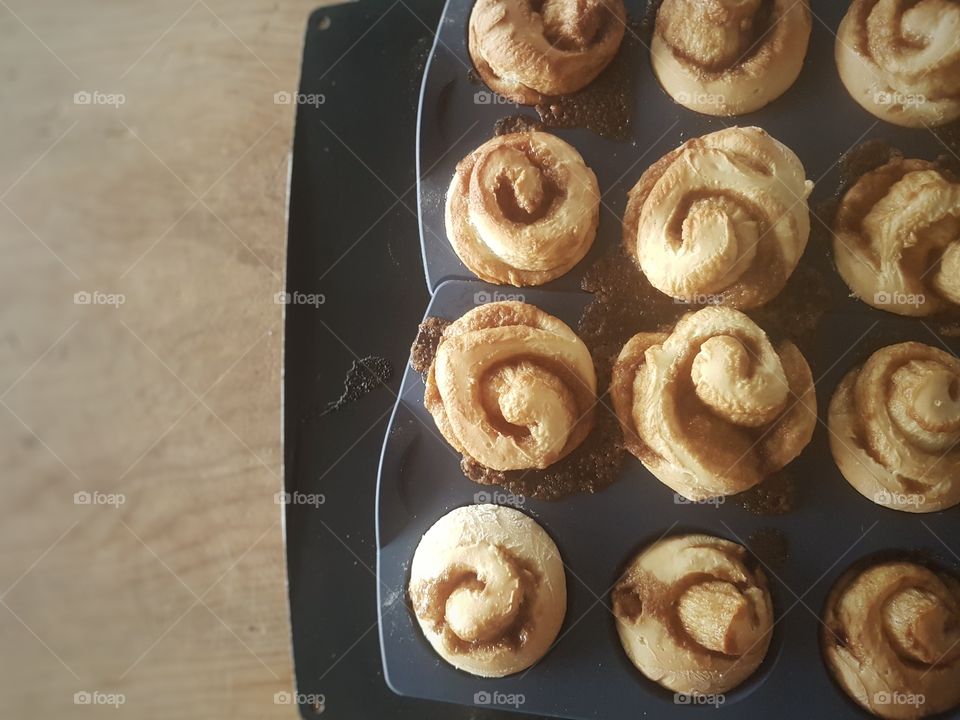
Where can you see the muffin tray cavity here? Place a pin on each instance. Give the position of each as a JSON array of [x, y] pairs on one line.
[[587, 674]]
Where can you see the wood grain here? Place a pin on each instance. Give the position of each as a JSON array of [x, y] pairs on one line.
[[173, 199]]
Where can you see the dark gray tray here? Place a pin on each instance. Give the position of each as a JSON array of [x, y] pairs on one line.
[[587, 674], [816, 118]]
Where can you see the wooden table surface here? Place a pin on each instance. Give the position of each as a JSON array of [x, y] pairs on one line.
[[143, 171]]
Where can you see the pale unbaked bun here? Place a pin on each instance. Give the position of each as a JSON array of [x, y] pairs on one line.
[[488, 589], [522, 209], [897, 238], [694, 614], [900, 59], [895, 428], [721, 219], [713, 408], [729, 57], [891, 638], [527, 55], [512, 387]]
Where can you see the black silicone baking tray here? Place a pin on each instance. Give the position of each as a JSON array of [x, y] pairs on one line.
[[586, 674]]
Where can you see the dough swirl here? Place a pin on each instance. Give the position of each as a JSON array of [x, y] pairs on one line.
[[488, 589], [895, 428], [713, 408], [900, 59], [512, 387], [722, 217], [694, 614], [897, 238], [527, 51], [729, 57], [522, 209], [892, 638]]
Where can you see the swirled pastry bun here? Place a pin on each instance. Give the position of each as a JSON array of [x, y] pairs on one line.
[[900, 59], [895, 428], [713, 408], [729, 57], [897, 238], [694, 614], [527, 51], [488, 589], [512, 387], [891, 638], [723, 217], [522, 209]]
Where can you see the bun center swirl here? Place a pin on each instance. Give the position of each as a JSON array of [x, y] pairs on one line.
[[479, 598], [924, 404], [744, 388], [713, 34]]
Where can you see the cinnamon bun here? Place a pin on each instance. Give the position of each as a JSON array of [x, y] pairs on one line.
[[512, 387], [897, 238], [528, 51], [713, 408], [729, 57], [900, 59], [488, 589], [895, 428], [522, 209], [694, 614], [891, 638], [724, 217]]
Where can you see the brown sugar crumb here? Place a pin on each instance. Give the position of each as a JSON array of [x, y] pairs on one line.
[[517, 124], [604, 105], [624, 303], [777, 495], [796, 312], [770, 546], [591, 467], [424, 348]]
